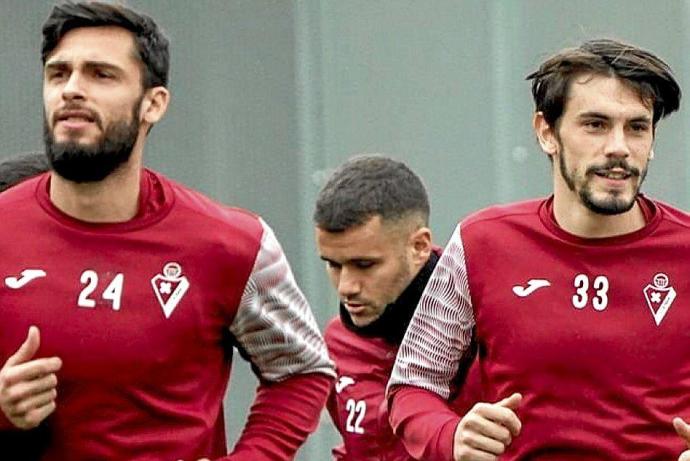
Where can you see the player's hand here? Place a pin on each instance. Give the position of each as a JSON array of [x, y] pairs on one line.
[[28, 387], [683, 430], [486, 430]]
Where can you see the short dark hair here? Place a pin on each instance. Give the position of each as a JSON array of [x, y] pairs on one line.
[[646, 73], [21, 167], [151, 44], [366, 186]]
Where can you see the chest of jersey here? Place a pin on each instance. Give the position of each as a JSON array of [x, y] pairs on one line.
[[364, 366], [594, 337], [117, 308], [96, 306], [138, 312], [608, 307]]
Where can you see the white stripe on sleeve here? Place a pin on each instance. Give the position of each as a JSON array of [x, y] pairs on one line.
[[274, 323], [441, 328]]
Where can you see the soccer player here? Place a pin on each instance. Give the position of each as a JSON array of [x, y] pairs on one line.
[[122, 291], [576, 301], [372, 231], [24, 445], [20, 167]]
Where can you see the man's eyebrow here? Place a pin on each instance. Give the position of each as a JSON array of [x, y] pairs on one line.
[[593, 114], [55, 64], [602, 116], [88, 64]]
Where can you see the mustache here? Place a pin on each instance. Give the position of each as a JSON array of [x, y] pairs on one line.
[[80, 109], [617, 163]]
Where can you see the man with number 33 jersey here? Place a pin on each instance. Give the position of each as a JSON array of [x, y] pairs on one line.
[[578, 303]]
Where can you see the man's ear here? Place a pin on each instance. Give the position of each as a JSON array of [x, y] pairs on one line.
[[420, 245], [154, 104], [545, 134]]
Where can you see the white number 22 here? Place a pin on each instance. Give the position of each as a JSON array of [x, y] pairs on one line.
[[356, 410]]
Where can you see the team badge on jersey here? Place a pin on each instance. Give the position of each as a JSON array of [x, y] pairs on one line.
[[170, 287], [659, 296]]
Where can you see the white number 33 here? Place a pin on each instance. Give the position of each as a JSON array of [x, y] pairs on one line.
[[601, 288]]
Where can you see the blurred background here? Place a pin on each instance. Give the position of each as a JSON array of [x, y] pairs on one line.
[[270, 95]]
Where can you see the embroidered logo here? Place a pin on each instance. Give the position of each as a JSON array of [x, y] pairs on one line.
[[342, 383], [532, 286], [170, 287], [659, 297], [26, 276]]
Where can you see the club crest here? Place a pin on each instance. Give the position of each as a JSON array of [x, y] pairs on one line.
[[659, 295], [170, 287]]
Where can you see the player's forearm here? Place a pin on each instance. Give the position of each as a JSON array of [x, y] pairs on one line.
[[423, 422], [281, 418], [339, 452]]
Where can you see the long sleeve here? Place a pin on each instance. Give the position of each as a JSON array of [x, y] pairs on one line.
[[274, 326], [424, 422], [434, 345], [277, 332], [339, 452], [281, 418]]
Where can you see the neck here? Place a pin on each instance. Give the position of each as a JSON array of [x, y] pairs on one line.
[[114, 199], [392, 324], [583, 222]]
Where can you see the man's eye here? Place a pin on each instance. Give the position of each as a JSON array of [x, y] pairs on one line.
[[55, 75], [364, 264]]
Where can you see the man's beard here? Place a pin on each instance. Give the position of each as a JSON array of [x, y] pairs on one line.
[[608, 206], [83, 163]]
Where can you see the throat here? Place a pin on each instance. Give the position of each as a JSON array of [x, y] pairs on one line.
[[113, 200], [583, 222]]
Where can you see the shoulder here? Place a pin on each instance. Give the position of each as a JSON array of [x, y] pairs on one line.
[[503, 213], [19, 205], [334, 324], [671, 214], [346, 346], [211, 216], [22, 191], [499, 221], [199, 203], [335, 332]]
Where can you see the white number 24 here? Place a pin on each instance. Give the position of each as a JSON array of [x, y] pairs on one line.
[[112, 293]]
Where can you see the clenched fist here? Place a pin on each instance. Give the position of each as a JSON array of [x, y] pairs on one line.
[[28, 385]]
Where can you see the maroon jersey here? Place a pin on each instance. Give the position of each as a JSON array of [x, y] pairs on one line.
[[364, 359], [592, 333], [143, 313], [357, 404]]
